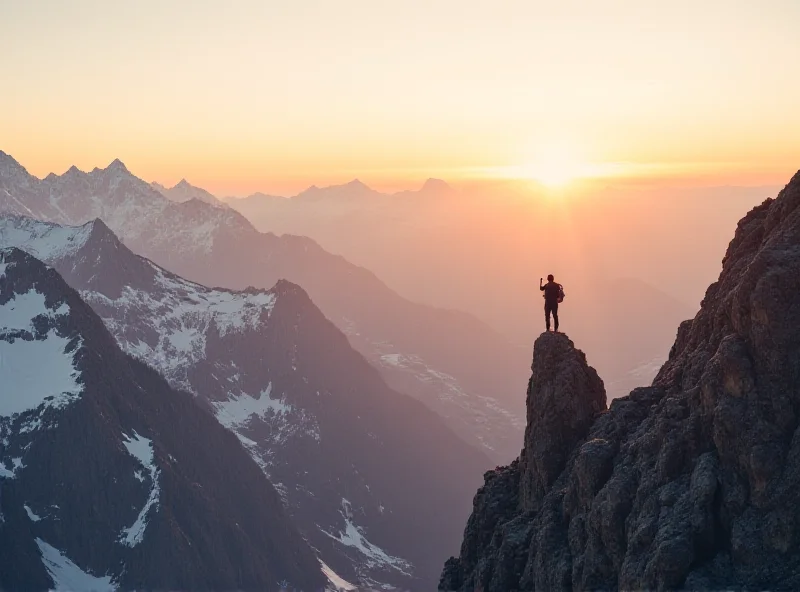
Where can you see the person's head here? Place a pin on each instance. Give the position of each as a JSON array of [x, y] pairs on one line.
[[550, 278]]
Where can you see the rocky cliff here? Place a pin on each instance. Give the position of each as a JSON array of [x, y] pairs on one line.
[[691, 483]]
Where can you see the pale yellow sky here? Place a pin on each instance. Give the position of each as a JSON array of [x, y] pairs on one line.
[[248, 95]]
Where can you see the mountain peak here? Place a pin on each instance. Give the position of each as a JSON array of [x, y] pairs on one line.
[[183, 184], [433, 185], [572, 393], [5, 157], [99, 229], [353, 189], [285, 288], [117, 166], [8, 165]]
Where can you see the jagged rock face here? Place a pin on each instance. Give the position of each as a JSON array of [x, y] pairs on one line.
[[693, 482], [564, 396]]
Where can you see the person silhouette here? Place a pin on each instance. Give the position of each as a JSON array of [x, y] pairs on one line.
[[553, 295]]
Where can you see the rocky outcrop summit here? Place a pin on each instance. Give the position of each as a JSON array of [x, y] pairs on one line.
[[690, 483]]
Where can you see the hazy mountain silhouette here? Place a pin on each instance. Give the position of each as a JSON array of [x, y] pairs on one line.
[[477, 368], [634, 262], [183, 191]]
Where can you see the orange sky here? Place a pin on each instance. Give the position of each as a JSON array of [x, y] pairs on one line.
[[274, 96]]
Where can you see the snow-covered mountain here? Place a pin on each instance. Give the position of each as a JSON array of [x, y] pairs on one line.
[[109, 478], [374, 480], [184, 191], [478, 370]]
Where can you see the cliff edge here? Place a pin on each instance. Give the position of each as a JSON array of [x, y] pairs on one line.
[[691, 483]]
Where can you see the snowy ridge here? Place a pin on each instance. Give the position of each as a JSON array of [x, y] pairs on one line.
[[175, 322], [68, 577], [47, 242], [135, 210], [142, 450]]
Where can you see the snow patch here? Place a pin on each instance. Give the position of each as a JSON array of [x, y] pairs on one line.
[[141, 449], [237, 411], [374, 555], [48, 242], [26, 387], [175, 321], [19, 312], [6, 473], [32, 515], [393, 360], [338, 582], [68, 577]]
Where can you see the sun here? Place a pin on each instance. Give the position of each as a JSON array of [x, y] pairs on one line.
[[554, 174], [555, 167]]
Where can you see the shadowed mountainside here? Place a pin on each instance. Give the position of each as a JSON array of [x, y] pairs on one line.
[[109, 478]]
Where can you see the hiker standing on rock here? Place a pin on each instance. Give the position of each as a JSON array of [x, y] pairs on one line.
[[553, 296]]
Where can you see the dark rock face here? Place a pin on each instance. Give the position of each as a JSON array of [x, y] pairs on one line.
[[126, 483], [564, 396], [691, 483]]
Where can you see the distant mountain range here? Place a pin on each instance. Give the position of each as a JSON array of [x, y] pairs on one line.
[[354, 191], [360, 467], [183, 191], [630, 273], [109, 478], [449, 360]]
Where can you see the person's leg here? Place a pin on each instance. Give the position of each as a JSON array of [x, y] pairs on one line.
[[547, 316], [555, 317]]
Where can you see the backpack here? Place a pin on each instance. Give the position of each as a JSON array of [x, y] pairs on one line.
[[560, 293]]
